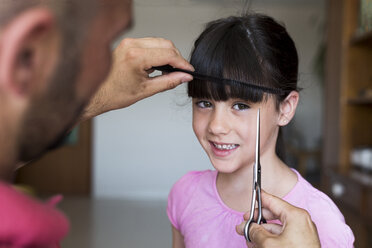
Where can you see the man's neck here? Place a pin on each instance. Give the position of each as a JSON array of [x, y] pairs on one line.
[[7, 151], [6, 167], [7, 163]]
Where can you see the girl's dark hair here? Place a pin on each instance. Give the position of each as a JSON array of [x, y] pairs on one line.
[[253, 48]]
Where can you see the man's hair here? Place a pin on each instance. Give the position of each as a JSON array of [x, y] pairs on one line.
[[10, 8], [70, 14]]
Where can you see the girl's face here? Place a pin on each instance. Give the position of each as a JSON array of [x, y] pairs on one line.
[[227, 131]]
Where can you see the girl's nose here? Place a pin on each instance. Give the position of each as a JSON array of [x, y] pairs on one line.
[[219, 123]]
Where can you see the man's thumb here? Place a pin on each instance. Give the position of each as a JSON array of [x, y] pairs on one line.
[[258, 234]]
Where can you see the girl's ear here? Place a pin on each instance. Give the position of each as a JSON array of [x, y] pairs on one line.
[[26, 47], [287, 108]]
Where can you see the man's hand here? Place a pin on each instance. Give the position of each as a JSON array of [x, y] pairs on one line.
[[129, 81], [298, 229]]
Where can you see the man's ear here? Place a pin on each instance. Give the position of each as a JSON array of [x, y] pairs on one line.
[[288, 107], [26, 51]]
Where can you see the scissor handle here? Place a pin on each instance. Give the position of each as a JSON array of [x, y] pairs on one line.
[[247, 226], [246, 230], [260, 219]]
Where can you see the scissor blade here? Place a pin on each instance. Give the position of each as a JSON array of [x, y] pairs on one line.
[[257, 167], [258, 138]]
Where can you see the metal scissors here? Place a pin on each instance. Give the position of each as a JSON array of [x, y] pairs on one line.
[[256, 189]]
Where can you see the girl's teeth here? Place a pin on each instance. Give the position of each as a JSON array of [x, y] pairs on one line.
[[224, 147]]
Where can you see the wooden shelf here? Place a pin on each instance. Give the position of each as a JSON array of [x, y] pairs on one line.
[[354, 175], [362, 178], [360, 101], [357, 176], [362, 39], [348, 118]]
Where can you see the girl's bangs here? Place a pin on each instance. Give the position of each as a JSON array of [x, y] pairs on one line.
[[227, 53], [218, 91]]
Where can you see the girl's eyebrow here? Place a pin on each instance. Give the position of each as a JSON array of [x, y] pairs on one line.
[[241, 100]]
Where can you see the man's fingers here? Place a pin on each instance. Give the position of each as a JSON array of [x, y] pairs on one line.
[[147, 42], [167, 82], [274, 208], [265, 228], [258, 234], [267, 214], [156, 51], [164, 56], [240, 228], [278, 207], [273, 228], [146, 58]]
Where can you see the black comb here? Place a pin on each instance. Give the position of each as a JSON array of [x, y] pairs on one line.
[[168, 68]]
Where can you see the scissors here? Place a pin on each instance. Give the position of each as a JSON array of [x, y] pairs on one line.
[[256, 189]]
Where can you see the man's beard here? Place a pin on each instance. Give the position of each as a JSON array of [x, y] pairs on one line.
[[52, 114]]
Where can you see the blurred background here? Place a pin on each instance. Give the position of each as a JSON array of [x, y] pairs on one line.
[[116, 170]]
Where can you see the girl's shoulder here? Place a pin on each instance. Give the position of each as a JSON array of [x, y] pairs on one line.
[[184, 192], [198, 175], [193, 179]]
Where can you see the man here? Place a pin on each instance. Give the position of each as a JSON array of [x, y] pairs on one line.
[[54, 58], [54, 55]]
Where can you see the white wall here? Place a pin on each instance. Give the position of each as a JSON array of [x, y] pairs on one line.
[[142, 150]]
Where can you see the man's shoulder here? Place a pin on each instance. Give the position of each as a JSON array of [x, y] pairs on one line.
[[43, 223]]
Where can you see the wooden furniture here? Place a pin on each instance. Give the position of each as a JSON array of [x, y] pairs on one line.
[[66, 170], [348, 116]]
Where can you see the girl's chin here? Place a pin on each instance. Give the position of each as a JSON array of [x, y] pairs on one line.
[[224, 167]]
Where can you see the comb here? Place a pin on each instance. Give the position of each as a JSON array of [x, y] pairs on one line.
[[168, 68]]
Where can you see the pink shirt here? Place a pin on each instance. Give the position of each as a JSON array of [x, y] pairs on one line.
[[196, 210], [26, 223]]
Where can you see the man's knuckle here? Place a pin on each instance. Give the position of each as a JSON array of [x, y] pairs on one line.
[[304, 213], [168, 43], [301, 214], [171, 84], [126, 42], [132, 53], [174, 52]]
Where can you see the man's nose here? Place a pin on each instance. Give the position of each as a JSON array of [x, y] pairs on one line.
[[219, 123]]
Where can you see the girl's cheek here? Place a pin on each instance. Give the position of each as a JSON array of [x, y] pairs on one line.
[[197, 127]]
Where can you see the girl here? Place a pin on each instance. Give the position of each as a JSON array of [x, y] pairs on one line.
[[205, 206]]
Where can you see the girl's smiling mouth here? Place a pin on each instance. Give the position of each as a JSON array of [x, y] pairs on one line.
[[223, 149]]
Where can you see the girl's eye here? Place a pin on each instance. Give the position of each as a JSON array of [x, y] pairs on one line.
[[240, 106], [204, 104]]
